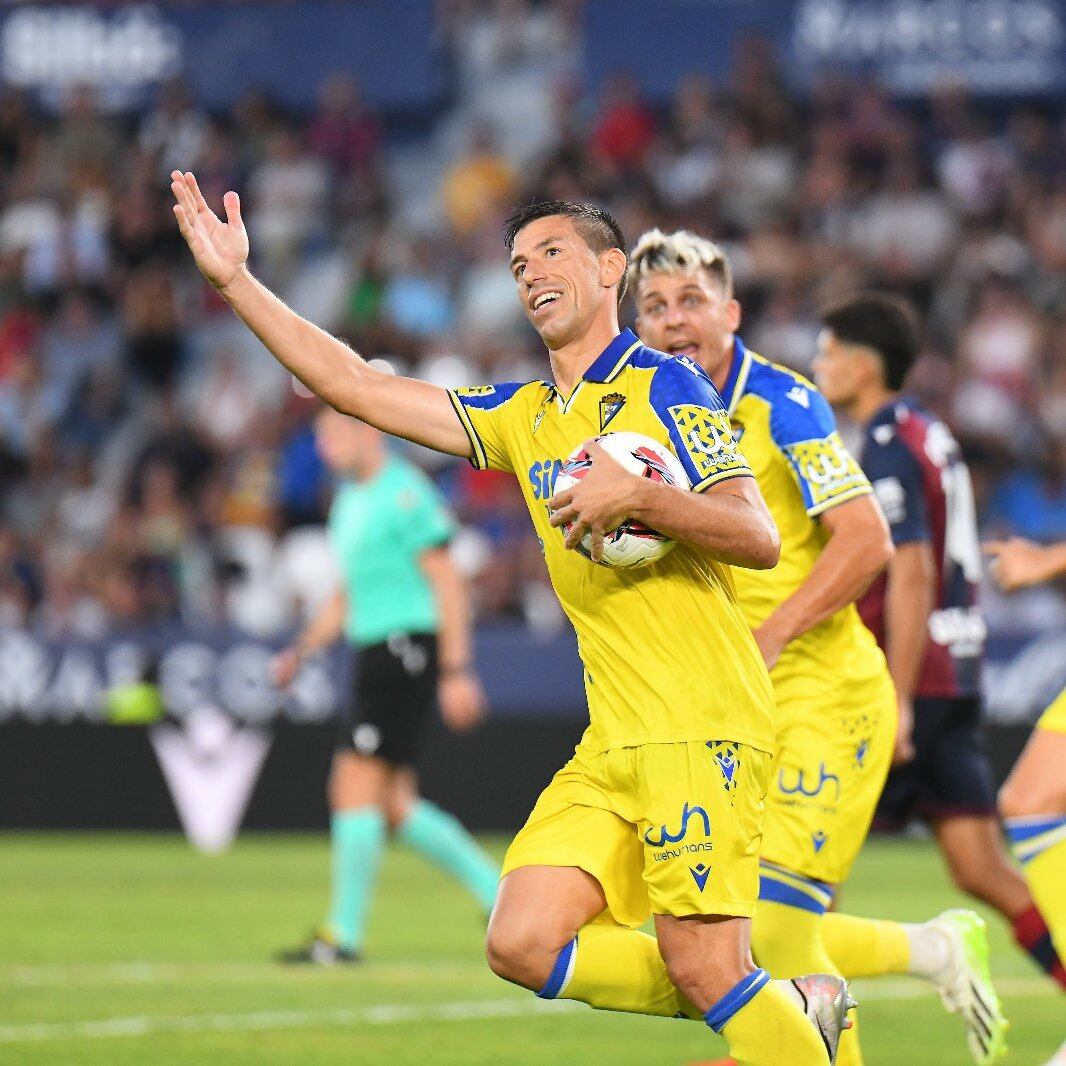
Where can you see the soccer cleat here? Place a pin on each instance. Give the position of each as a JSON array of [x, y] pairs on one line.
[[826, 1002], [965, 984], [320, 950]]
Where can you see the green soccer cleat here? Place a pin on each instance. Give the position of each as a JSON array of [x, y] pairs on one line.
[[965, 984]]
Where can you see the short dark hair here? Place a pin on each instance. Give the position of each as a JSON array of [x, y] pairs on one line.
[[880, 321], [599, 228]]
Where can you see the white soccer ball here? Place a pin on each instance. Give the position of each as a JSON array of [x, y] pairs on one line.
[[632, 543]]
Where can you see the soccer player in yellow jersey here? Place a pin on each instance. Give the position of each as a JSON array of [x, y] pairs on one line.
[[1033, 799], [836, 704], [660, 809]]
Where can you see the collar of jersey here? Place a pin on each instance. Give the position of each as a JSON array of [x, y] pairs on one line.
[[737, 381], [609, 363], [605, 367]]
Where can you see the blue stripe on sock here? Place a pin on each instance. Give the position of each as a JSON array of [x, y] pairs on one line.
[[557, 977], [779, 892], [738, 996], [1020, 830]]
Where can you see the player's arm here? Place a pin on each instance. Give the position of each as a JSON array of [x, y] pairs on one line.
[[1018, 563], [908, 604], [910, 590], [323, 630], [728, 520], [859, 546], [462, 700], [407, 408]]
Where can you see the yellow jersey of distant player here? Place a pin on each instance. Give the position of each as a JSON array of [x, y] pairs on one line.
[[667, 653], [789, 435]]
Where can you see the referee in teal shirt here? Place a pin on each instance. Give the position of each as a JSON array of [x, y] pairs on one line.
[[405, 607]]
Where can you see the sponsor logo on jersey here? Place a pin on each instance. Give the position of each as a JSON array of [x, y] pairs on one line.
[[610, 405], [542, 475], [827, 467], [708, 439], [666, 837]]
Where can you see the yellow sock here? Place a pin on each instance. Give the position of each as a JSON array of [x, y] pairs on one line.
[[865, 947], [787, 941], [1046, 875], [611, 967], [771, 1030]]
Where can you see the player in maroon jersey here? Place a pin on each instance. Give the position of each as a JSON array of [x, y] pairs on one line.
[[924, 609]]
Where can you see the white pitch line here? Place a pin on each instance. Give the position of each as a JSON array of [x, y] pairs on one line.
[[146, 973], [383, 1014], [393, 1013]]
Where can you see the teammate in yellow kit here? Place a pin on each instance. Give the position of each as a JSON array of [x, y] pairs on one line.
[[1033, 799], [680, 702], [836, 705]]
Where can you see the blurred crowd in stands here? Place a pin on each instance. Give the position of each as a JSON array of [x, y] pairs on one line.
[[156, 464]]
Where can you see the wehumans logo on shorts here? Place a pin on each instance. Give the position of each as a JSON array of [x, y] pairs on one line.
[[800, 786], [666, 837]]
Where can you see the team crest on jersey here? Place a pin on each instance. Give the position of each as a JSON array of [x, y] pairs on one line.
[[610, 405], [708, 438]]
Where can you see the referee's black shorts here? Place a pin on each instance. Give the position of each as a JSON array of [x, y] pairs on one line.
[[394, 694]]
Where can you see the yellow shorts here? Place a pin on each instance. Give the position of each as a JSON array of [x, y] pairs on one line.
[[835, 749], [664, 828], [1054, 718]]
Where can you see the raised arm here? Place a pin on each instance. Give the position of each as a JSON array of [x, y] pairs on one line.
[[402, 406]]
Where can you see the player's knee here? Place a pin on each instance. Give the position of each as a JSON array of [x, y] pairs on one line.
[[517, 952], [1029, 802], [514, 954]]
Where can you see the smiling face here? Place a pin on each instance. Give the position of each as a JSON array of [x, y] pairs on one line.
[[688, 313], [562, 283]]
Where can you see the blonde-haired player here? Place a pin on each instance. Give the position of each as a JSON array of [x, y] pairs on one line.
[[836, 704]]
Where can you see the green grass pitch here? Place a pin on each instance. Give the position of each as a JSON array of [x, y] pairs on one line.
[[133, 949]]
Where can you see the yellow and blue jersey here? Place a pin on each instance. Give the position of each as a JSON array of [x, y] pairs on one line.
[[789, 434], [667, 653]]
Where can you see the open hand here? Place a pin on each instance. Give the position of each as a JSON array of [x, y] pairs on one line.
[[601, 501], [219, 248], [1017, 562]]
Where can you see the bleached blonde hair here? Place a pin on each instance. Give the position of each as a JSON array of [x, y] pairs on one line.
[[677, 253]]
